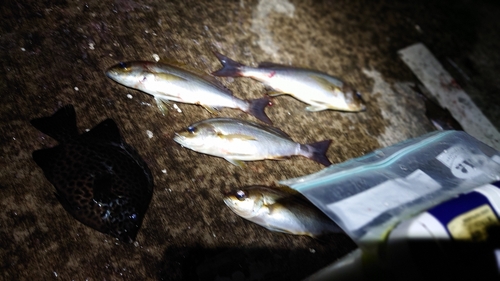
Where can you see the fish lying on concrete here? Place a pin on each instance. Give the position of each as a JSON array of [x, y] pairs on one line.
[[238, 140], [440, 117], [279, 211], [320, 90], [100, 180], [170, 83]]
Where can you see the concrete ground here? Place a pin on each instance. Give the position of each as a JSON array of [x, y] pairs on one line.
[[54, 53]]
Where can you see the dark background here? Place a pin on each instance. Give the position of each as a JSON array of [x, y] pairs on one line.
[[55, 52]]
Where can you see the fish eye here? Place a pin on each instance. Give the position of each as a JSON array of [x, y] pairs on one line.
[[191, 129], [124, 66], [240, 195]]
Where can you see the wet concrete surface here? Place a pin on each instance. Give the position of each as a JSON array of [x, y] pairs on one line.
[[55, 52]]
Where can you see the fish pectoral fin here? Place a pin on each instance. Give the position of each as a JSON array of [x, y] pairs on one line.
[[169, 77], [236, 137], [325, 84], [162, 103], [210, 109], [275, 229], [315, 108], [315, 105], [236, 162]]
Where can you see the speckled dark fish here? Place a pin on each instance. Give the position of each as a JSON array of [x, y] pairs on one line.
[[100, 180], [440, 117]]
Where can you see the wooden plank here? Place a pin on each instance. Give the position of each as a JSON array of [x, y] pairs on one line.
[[449, 94]]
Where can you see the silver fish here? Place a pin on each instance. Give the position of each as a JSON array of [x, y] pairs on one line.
[[238, 140], [279, 211], [320, 90], [170, 83]]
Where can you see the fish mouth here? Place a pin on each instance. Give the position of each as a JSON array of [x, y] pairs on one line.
[[179, 138], [229, 202], [112, 74], [236, 209]]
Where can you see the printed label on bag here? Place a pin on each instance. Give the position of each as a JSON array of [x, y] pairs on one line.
[[462, 163], [474, 224]]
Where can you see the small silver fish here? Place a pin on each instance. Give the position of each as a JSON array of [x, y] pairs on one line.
[[279, 211], [170, 83], [320, 90], [238, 140]]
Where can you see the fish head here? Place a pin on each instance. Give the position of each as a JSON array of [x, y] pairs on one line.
[[244, 202], [353, 99], [131, 74], [196, 136]]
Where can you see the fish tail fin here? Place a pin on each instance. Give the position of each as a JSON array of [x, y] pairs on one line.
[[230, 68], [317, 152], [257, 108], [61, 125]]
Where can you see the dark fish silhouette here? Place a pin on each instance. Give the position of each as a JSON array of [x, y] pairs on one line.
[[100, 180], [440, 117]]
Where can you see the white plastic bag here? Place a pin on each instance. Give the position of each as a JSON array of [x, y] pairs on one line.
[[367, 196]]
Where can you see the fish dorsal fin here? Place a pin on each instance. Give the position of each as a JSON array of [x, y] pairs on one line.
[[107, 130], [172, 62], [212, 80], [205, 76], [267, 64], [61, 125]]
